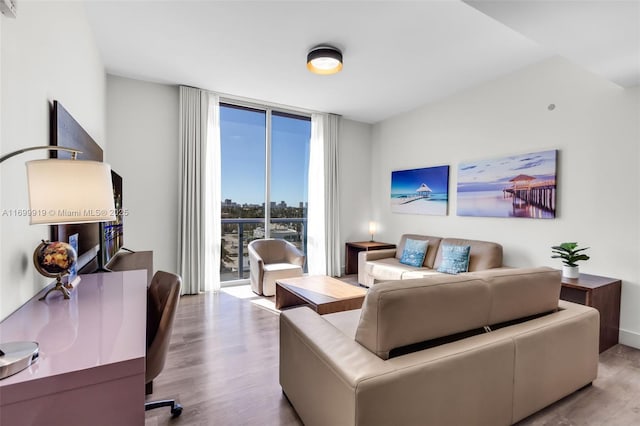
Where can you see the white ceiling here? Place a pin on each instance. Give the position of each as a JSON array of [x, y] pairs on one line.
[[397, 55]]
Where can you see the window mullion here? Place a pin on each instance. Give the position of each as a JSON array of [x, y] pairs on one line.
[[267, 190]]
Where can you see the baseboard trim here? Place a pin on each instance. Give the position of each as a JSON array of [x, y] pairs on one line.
[[630, 338]]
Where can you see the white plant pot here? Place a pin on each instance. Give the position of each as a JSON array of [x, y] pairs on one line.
[[570, 271]]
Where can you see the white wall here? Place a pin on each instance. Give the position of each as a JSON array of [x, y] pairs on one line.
[[594, 126], [47, 53], [142, 123], [355, 186]]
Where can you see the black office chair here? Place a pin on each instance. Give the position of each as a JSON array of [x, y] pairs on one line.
[[162, 301]]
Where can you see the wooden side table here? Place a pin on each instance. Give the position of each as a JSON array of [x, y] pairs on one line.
[[601, 293], [353, 248]]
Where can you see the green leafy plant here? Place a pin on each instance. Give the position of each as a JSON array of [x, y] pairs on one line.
[[569, 253]]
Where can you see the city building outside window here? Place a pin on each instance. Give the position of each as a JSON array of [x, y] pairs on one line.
[[265, 161]]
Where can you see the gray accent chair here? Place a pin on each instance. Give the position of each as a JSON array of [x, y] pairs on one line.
[[272, 259]]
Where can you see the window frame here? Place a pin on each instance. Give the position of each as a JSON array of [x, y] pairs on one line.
[[269, 110]]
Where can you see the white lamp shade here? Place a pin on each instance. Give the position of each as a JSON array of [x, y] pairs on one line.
[[372, 228], [69, 191]]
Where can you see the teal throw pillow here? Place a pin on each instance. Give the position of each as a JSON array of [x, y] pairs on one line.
[[414, 252], [455, 259]]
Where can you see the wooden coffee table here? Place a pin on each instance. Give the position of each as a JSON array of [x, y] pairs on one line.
[[323, 294]]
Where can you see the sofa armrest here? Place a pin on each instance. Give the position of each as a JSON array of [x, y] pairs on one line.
[[341, 353], [364, 256], [256, 267], [320, 367], [573, 333], [377, 254], [294, 256]]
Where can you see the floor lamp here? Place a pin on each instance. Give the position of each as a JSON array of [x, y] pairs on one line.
[[50, 205]]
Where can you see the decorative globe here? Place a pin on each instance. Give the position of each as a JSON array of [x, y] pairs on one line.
[[53, 259]]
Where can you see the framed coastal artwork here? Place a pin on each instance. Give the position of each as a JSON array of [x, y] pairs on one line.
[[420, 191], [514, 186]]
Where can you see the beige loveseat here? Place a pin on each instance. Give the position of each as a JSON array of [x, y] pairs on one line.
[[384, 265], [483, 348]]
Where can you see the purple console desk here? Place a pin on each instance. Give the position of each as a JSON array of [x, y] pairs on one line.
[[92, 347]]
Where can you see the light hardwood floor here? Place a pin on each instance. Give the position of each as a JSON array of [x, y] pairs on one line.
[[223, 369]]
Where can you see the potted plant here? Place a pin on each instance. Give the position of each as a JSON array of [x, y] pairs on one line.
[[570, 254]]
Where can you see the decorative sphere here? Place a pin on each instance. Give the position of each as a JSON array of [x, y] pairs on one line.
[[54, 258]]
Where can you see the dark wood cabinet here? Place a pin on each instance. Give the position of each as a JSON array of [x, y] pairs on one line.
[[601, 293], [353, 248]]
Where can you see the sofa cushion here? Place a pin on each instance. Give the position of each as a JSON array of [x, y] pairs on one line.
[[277, 271], [400, 313], [389, 268], [455, 259], [420, 273], [414, 252], [482, 255], [432, 247], [521, 292], [345, 321]]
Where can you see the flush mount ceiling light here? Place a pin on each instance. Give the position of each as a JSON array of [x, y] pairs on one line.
[[324, 60]]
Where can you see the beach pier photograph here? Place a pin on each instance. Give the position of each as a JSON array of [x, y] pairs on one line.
[[529, 190], [514, 186]]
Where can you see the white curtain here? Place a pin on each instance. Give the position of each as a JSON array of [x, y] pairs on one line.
[[199, 191], [323, 233], [332, 204]]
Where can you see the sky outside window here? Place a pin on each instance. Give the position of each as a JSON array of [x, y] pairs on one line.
[[289, 159], [242, 133]]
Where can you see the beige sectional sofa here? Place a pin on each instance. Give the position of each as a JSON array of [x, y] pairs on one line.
[[482, 348], [384, 265]]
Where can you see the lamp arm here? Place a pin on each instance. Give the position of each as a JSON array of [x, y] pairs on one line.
[[74, 152]]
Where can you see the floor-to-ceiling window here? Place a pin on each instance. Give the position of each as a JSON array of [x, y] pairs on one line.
[[265, 158]]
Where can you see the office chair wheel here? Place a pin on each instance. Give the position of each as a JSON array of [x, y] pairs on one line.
[[176, 410]]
